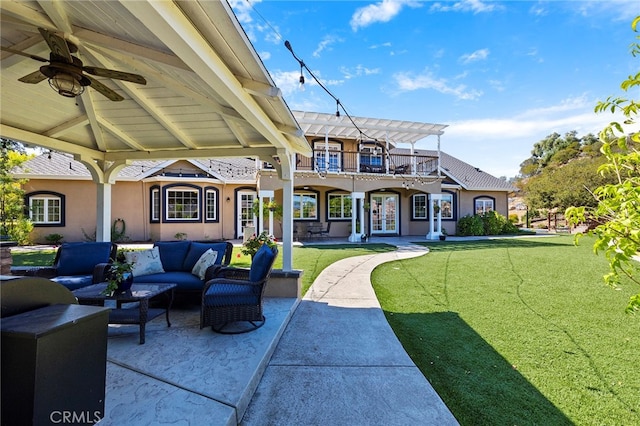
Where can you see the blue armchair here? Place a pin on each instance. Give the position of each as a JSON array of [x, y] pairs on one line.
[[77, 265], [234, 295]]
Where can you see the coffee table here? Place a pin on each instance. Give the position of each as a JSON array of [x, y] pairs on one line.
[[141, 293]]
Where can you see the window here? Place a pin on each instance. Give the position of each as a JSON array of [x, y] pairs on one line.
[[155, 204], [483, 205], [45, 209], [333, 163], [305, 205], [182, 204], [371, 156], [211, 204], [447, 206], [340, 206], [420, 206]]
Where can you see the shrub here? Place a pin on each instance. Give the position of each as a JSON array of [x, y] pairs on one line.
[[489, 223], [470, 225], [54, 239]]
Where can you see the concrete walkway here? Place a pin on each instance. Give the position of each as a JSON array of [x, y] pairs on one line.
[[339, 362]]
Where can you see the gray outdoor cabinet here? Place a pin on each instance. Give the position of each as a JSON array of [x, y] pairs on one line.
[[54, 365]]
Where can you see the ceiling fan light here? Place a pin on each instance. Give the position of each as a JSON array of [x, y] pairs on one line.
[[66, 85]]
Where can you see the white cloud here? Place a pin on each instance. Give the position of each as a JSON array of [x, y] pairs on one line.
[[478, 55], [383, 11], [287, 81], [499, 145], [358, 71], [326, 43], [265, 56], [377, 46], [407, 83], [475, 6]]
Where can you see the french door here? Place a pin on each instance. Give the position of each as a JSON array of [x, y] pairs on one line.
[[384, 213], [245, 212]]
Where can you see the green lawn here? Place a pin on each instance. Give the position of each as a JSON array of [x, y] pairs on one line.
[[517, 332]]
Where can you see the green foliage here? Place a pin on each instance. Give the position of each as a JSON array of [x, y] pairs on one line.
[[561, 187], [470, 225], [617, 212], [253, 244], [180, 236], [489, 223], [20, 232], [13, 221], [54, 239]]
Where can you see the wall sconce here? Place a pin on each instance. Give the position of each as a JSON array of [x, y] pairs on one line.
[[228, 199]]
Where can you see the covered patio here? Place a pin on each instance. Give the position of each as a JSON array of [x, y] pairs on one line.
[[207, 93]]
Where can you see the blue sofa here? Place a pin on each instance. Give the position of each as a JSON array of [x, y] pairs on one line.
[[76, 265], [178, 259]]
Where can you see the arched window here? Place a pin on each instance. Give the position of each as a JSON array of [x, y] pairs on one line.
[[46, 208]]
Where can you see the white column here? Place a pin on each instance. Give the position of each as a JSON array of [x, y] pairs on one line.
[[355, 237], [103, 212], [287, 225]]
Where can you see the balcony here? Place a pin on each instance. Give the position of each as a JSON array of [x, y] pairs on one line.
[[368, 162]]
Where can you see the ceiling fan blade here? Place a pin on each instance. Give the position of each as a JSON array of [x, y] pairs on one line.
[[118, 75], [104, 90], [57, 44], [33, 78], [28, 55]]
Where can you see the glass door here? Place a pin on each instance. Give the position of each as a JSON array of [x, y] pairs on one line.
[[384, 214], [246, 219]]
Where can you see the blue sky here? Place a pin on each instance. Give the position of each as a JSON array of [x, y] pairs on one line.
[[502, 75]]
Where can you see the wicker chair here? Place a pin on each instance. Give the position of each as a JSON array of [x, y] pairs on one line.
[[234, 295]]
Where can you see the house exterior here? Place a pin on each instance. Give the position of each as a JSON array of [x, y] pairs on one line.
[[360, 180]]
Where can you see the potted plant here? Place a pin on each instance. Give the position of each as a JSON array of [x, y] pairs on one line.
[[120, 276], [253, 244], [443, 234]]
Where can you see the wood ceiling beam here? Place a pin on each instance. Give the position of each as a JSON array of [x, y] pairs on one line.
[[62, 128], [47, 142], [55, 10], [134, 92], [167, 21], [215, 152]]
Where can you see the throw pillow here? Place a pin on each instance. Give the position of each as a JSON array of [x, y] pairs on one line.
[[207, 259], [145, 262]]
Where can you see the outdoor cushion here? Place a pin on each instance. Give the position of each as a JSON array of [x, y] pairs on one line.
[[185, 280], [144, 262], [207, 259], [196, 250], [73, 282], [81, 258], [223, 294], [172, 254], [261, 263]]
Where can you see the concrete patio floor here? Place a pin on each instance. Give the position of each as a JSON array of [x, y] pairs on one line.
[[185, 375], [330, 358]]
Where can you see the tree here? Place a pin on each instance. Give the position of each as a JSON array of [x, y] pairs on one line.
[[13, 223], [618, 210]]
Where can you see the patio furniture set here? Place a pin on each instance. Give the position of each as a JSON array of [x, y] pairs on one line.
[[229, 296]]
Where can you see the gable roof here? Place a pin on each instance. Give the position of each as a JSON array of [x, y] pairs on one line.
[[229, 170], [464, 174], [208, 93], [62, 166]]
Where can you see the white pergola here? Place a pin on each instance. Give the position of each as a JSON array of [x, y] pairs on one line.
[[207, 93]]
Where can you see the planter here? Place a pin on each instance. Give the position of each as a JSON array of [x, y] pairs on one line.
[[126, 282], [442, 237]]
